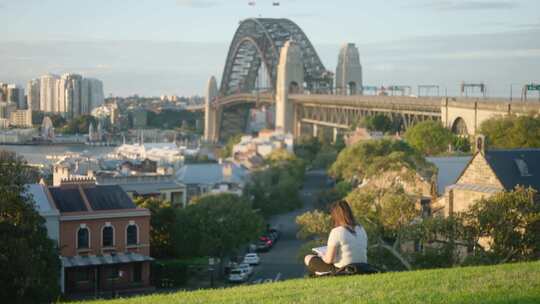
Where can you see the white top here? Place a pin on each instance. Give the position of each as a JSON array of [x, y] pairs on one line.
[[350, 248]]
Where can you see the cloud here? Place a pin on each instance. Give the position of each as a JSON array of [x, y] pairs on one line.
[[469, 5], [196, 3]]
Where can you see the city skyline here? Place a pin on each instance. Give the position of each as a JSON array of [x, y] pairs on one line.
[[491, 41]]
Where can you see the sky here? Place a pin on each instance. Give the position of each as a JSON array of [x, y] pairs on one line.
[[155, 47]]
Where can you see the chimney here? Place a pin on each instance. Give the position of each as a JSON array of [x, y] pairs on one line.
[[226, 170], [480, 144]]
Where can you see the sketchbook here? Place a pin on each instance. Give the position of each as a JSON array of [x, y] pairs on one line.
[[320, 251]]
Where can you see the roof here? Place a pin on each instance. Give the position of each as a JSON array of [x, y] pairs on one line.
[[100, 197], [475, 188], [210, 174], [449, 169], [106, 259], [108, 198], [42, 203], [68, 200], [150, 188], [506, 165]]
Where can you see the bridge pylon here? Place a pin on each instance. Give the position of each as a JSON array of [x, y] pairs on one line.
[[210, 111], [290, 80], [349, 71]]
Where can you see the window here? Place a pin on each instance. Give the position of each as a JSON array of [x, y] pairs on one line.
[[108, 236], [132, 234], [83, 238]]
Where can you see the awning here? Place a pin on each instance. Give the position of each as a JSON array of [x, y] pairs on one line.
[[106, 259]]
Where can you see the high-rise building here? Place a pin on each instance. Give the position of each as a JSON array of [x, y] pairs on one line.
[[96, 94], [48, 95], [15, 95], [32, 94], [69, 95]]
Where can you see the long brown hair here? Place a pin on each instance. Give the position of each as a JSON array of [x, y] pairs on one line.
[[342, 215]]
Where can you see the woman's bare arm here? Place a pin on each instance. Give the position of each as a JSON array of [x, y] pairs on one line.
[[330, 255]]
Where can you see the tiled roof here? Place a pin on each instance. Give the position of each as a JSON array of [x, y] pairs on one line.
[[108, 198], [68, 200], [505, 165], [100, 197]]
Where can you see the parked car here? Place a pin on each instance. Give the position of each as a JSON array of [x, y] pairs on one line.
[[246, 268], [262, 246], [251, 259], [238, 276]]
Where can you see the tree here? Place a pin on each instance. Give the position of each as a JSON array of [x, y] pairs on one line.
[[224, 222], [163, 221], [79, 125], [378, 122], [307, 147], [226, 151], [386, 214], [512, 131], [369, 158], [28, 258], [509, 222], [275, 189], [429, 137]]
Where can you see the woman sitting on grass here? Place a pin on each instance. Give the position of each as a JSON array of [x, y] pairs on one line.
[[347, 243]]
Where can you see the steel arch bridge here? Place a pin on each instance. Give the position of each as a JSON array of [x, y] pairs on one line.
[[257, 43]]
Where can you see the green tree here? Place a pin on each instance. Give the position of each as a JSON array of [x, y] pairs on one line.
[[79, 125], [429, 137], [369, 158], [307, 147], [226, 151], [163, 225], [510, 221], [275, 189], [378, 122], [512, 131], [225, 222], [28, 258]]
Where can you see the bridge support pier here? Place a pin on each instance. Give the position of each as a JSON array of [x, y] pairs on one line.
[[315, 131], [210, 113], [335, 135], [349, 71], [290, 80]]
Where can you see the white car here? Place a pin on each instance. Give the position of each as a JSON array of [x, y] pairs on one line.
[[245, 267], [251, 259], [238, 276]]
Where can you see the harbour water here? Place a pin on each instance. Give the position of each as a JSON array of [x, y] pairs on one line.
[[36, 154]]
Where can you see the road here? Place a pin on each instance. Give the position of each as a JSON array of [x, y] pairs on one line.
[[282, 262]]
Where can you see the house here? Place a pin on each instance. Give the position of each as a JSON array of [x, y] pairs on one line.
[[104, 239], [489, 172], [147, 185], [213, 178]]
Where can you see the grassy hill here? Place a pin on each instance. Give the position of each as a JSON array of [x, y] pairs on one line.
[[510, 283]]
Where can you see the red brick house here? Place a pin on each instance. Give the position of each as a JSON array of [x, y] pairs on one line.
[[103, 237]]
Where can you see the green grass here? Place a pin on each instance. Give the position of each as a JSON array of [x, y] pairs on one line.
[[509, 283]]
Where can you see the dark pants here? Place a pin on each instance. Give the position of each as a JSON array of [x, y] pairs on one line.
[[317, 266]]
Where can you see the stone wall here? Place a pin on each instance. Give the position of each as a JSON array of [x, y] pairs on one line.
[[479, 173]]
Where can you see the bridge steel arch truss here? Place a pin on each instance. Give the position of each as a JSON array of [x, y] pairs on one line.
[[343, 117], [258, 42]]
